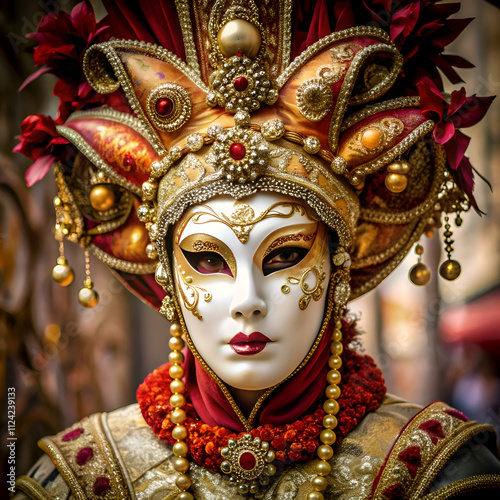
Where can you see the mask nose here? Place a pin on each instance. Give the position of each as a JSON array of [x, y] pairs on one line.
[[247, 301]]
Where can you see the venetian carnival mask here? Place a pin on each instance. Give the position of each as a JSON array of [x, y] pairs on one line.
[[251, 278]]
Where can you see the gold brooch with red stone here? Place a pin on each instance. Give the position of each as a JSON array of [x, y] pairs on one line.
[[249, 462]]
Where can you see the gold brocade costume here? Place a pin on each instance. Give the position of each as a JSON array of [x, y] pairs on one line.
[[139, 465]]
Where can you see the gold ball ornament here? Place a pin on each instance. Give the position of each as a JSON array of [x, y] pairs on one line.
[[102, 198], [315, 495], [183, 482], [87, 296], [450, 269], [185, 495], [181, 464], [62, 274], [319, 483], [399, 167], [420, 274], [239, 35], [396, 183], [180, 449]]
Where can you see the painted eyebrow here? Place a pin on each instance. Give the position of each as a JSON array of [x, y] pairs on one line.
[[282, 240]]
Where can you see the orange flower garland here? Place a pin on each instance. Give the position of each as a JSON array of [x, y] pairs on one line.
[[363, 389]]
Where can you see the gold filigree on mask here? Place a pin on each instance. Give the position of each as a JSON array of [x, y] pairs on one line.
[[286, 239], [315, 292], [192, 297], [208, 243], [242, 219]]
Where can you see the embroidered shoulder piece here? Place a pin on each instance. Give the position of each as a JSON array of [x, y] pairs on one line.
[[424, 446], [85, 458]]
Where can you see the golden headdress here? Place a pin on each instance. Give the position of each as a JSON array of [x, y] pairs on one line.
[[237, 114]]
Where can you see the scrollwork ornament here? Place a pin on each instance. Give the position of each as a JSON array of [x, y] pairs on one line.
[[315, 292], [314, 99]]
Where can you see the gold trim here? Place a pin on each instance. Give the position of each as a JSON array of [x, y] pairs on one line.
[[91, 154], [318, 46], [474, 483], [372, 109], [425, 476], [50, 448], [34, 490], [123, 265], [184, 15], [109, 437], [112, 464]]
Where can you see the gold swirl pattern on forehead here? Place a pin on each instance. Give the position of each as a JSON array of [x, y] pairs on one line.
[[242, 219]]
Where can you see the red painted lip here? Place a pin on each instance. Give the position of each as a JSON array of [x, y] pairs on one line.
[[248, 345]]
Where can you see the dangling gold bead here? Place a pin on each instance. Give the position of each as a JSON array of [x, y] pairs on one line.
[[327, 436], [333, 377], [334, 362], [315, 495], [185, 495], [62, 274], [183, 482], [336, 348], [177, 400], [177, 385], [332, 391], [239, 35], [87, 296], [176, 371], [396, 183], [330, 421], [325, 452], [450, 269], [420, 274], [181, 464], [176, 357], [399, 167], [176, 343], [323, 468], [178, 416], [319, 483], [331, 407], [175, 330], [102, 198], [180, 449], [179, 432]]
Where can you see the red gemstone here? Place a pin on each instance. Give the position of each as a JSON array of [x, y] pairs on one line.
[[240, 83], [84, 455], [237, 151], [101, 485], [247, 460], [69, 436], [239, 53], [164, 106]]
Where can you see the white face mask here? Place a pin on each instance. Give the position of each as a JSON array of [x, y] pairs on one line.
[[252, 278]]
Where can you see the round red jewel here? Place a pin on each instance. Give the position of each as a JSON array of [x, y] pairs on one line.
[[237, 151], [84, 455], [164, 106], [240, 83], [69, 436], [101, 485], [247, 460]]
